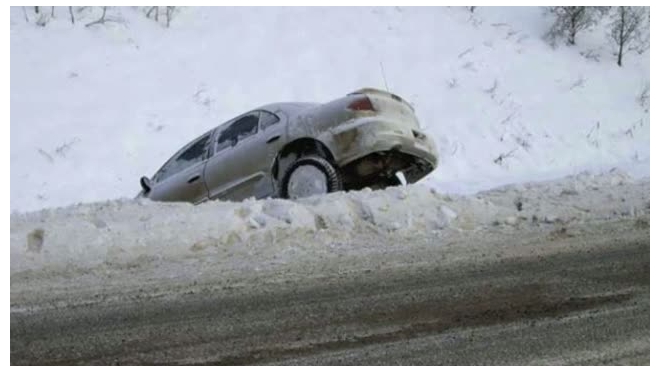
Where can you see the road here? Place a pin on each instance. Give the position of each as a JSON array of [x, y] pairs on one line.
[[576, 296]]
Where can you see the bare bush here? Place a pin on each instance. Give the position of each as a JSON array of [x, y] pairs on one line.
[[169, 12], [151, 10], [100, 20], [43, 19], [592, 136], [507, 120], [591, 55], [66, 147], [627, 29], [465, 52], [644, 98], [491, 91], [155, 12], [578, 83], [524, 143], [500, 159], [510, 33], [569, 20], [46, 155], [644, 40]]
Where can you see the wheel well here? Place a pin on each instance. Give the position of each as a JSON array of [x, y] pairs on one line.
[[302, 147]]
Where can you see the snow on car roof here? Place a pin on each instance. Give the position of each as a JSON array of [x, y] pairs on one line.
[[289, 108]]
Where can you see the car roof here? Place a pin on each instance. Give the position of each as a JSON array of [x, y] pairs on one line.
[[289, 108]]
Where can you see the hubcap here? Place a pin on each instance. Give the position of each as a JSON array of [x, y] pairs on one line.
[[307, 180]]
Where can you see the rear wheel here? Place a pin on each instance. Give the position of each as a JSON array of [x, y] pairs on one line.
[[308, 176]]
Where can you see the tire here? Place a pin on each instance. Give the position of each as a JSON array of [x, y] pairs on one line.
[[332, 178]]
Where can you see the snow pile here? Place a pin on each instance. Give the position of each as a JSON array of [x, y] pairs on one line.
[[123, 231], [94, 108], [606, 196], [132, 232]]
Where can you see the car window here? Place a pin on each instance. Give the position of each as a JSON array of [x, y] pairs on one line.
[[240, 129], [246, 126], [192, 154], [225, 139], [268, 119]]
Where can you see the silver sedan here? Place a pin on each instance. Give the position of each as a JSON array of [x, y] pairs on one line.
[[294, 150]]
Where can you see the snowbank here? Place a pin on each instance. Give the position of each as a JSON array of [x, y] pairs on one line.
[[131, 232], [125, 230]]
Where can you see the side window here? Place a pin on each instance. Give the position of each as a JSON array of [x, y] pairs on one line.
[[194, 153], [237, 131], [246, 126], [225, 139], [268, 119]]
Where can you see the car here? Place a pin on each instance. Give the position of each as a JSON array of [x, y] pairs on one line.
[[296, 150]]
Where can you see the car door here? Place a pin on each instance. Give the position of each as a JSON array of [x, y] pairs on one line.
[[239, 167], [182, 177], [272, 138]]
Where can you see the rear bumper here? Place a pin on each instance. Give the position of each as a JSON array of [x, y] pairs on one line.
[[382, 136], [422, 149]]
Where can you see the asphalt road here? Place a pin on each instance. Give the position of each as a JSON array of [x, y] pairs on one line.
[[586, 302]]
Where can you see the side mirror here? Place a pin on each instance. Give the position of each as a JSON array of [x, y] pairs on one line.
[[146, 184]]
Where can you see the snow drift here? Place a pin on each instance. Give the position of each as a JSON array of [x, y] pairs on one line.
[[130, 233]]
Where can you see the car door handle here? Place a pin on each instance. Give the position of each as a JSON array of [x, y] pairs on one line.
[[193, 179], [271, 140]]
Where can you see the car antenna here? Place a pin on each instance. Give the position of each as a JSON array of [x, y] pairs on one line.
[[382, 71]]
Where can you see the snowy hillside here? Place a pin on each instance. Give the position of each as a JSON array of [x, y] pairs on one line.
[[94, 108]]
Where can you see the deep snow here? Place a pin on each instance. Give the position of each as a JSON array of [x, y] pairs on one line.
[[93, 109], [127, 234]]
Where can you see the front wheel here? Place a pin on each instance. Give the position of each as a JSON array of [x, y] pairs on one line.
[[308, 176]]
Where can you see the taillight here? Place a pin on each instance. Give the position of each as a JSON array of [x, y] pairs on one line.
[[362, 104]]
